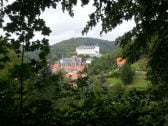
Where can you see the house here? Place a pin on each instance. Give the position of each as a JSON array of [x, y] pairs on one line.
[[73, 61], [71, 67], [91, 50], [120, 62]]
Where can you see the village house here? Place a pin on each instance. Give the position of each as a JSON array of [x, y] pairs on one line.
[[120, 62], [71, 66]]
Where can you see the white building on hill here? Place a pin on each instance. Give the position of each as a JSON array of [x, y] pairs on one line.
[[91, 50]]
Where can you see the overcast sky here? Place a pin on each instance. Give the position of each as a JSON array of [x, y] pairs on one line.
[[65, 27]]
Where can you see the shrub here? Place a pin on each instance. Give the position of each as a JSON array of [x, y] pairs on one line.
[[127, 74]]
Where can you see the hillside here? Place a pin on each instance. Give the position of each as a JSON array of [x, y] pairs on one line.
[[67, 47]]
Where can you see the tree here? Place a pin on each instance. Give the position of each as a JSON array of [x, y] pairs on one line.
[[126, 74], [3, 52], [151, 20], [24, 22], [98, 65]]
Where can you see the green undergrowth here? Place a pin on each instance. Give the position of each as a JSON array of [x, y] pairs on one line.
[[139, 81]]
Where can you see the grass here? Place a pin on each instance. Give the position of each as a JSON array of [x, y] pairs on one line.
[[113, 81], [139, 81], [140, 65]]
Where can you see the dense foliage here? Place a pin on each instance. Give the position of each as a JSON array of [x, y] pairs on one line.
[[127, 74], [68, 47], [48, 100], [105, 63], [149, 34]]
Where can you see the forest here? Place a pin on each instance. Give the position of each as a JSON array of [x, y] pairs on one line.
[[30, 96], [68, 47]]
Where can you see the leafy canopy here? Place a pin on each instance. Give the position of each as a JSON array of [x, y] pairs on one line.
[[149, 34], [135, 108]]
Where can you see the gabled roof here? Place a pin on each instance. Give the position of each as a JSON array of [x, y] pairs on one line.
[[121, 61], [72, 60]]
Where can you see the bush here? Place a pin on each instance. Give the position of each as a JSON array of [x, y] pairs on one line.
[[127, 74], [114, 74]]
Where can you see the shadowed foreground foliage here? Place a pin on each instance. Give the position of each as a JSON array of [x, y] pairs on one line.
[[47, 100], [50, 101]]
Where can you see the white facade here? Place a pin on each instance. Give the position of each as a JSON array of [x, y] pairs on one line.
[[88, 50], [89, 61]]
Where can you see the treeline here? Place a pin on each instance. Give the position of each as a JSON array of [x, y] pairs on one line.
[[68, 47], [106, 66], [49, 100], [105, 63]]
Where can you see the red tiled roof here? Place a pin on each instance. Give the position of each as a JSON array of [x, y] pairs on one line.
[[77, 68], [121, 61], [71, 72], [55, 67]]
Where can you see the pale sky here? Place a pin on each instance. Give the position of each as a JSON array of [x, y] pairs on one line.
[[65, 27]]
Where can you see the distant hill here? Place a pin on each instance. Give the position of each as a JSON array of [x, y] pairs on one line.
[[67, 47]]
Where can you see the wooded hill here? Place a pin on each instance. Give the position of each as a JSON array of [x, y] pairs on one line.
[[67, 47]]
